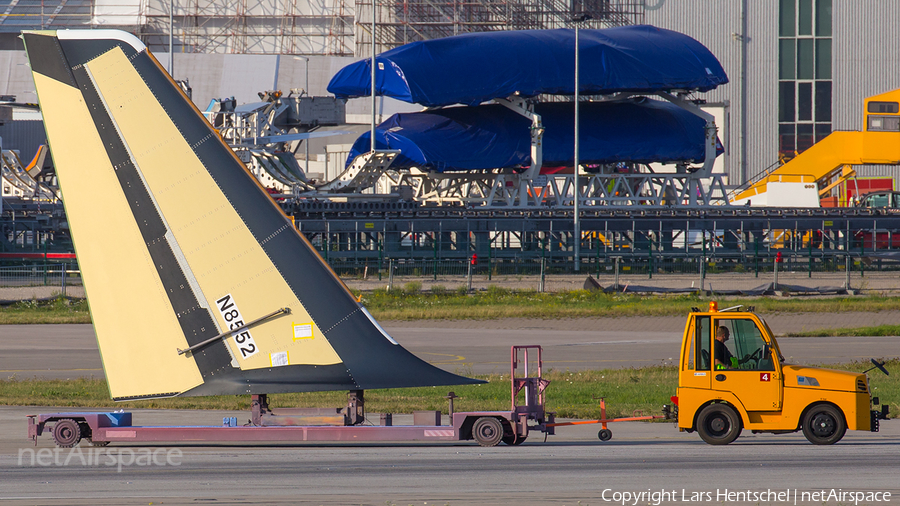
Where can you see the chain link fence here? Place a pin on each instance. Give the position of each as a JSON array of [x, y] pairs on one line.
[[40, 281], [645, 273], [790, 272]]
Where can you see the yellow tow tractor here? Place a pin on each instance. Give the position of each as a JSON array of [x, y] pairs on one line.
[[733, 377]]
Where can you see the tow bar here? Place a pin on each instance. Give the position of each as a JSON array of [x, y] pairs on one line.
[[605, 434]]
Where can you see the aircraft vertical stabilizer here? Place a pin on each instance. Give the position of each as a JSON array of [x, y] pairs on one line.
[[178, 243]]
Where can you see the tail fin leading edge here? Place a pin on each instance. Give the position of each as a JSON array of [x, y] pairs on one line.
[[177, 242]]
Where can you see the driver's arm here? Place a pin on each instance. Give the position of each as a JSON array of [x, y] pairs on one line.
[[723, 356]]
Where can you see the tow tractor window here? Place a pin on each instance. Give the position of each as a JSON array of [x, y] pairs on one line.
[[701, 341], [744, 347], [774, 343]]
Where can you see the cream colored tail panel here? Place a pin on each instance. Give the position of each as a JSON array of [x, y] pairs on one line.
[[180, 245], [220, 253], [135, 326]]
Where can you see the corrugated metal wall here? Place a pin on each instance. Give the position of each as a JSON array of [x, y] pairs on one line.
[[15, 76], [717, 24], [866, 63], [866, 56], [892, 171], [711, 22], [762, 85]]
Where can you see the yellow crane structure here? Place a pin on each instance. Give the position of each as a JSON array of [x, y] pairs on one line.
[[812, 174]]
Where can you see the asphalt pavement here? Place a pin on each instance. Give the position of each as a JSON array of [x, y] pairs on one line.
[[481, 347], [644, 463], [571, 468]]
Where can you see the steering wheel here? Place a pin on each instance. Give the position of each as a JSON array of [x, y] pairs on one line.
[[755, 356]]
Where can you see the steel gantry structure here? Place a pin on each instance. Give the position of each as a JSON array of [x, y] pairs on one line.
[[362, 232]]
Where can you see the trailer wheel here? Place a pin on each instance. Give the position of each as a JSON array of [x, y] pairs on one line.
[[488, 431], [66, 433], [824, 425], [604, 434], [718, 424], [513, 440]]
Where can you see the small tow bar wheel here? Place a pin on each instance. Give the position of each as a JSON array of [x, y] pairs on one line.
[[824, 425], [66, 433], [97, 443], [488, 431], [604, 434], [718, 424]]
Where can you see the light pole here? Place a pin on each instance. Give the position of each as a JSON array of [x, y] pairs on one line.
[[577, 19], [306, 64], [171, 36], [372, 131], [306, 91]]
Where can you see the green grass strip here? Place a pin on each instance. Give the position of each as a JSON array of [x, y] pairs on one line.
[[59, 310], [411, 303], [880, 330], [571, 394]]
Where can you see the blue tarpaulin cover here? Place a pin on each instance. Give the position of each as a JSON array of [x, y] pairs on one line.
[[477, 67], [491, 136]]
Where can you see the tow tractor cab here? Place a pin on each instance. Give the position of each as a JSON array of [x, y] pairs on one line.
[[739, 380]]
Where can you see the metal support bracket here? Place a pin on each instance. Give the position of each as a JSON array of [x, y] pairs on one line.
[[363, 173], [284, 310], [711, 131], [525, 109]]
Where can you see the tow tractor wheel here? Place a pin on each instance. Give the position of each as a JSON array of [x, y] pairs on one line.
[[488, 431], [66, 433], [719, 424], [604, 434], [824, 425]]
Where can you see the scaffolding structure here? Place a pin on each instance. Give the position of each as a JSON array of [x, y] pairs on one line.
[[400, 22], [300, 27], [16, 15], [307, 27]]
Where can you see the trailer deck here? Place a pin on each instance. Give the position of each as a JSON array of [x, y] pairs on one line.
[[488, 428]]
